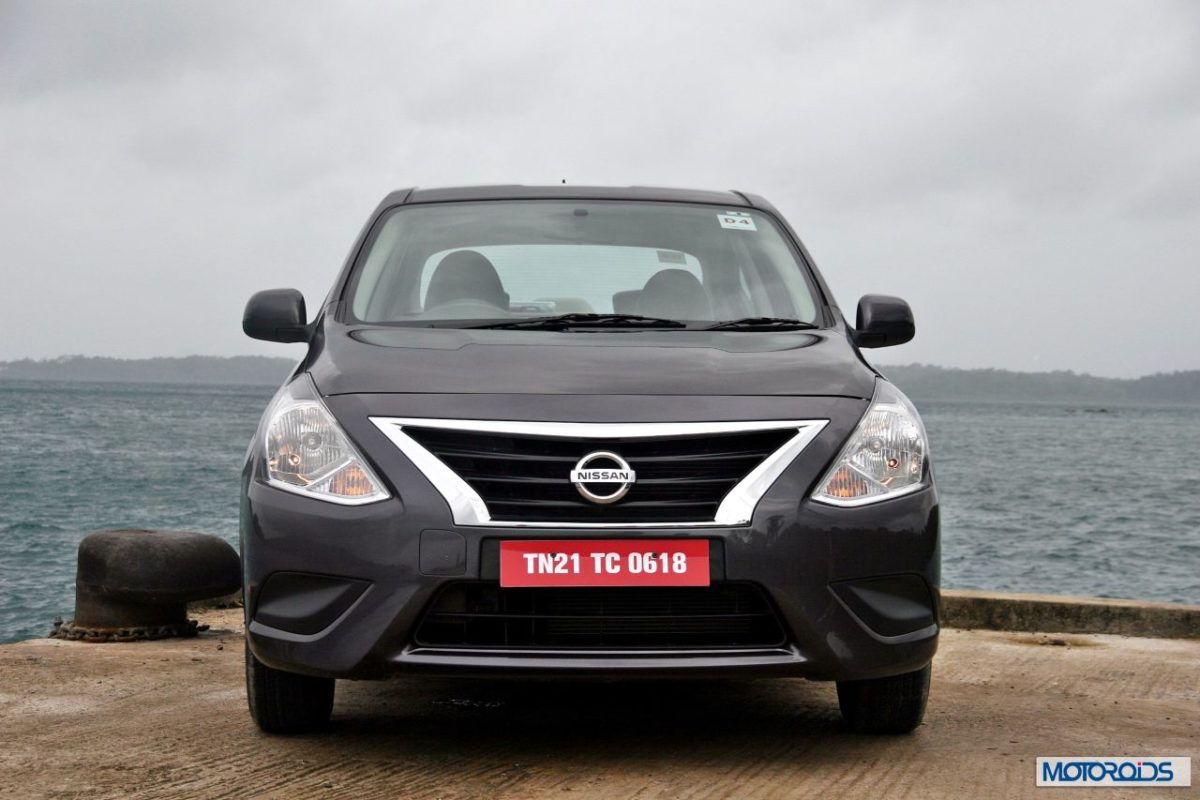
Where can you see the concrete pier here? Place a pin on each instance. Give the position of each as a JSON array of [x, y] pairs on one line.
[[168, 719], [1050, 613]]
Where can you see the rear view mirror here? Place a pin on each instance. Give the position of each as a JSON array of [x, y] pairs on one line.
[[276, 315], [883, 321]]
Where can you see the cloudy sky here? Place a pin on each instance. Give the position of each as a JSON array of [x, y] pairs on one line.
[[1027, 175]]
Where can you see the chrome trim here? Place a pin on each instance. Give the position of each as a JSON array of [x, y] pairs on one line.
[[469, 509], [738, 506]]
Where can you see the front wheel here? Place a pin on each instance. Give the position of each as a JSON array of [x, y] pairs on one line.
[[284, 702], [895, 704]]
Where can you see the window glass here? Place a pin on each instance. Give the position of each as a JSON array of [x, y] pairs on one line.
[[511, 259]]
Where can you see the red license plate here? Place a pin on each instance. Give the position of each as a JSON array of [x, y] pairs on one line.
[[621, 562]]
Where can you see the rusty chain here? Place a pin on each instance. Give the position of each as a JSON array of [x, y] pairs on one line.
[[133, 633]]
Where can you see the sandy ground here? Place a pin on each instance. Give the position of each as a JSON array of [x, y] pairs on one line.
[[168, 719]]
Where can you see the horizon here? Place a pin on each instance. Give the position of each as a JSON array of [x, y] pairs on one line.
[[875, 362]]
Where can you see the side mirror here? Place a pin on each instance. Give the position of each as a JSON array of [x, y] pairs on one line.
[[276, 315], [883, 321]]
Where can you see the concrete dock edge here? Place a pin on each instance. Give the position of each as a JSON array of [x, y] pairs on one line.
[[1044, 613]]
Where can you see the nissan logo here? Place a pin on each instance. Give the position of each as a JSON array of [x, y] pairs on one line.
[[603, 467]]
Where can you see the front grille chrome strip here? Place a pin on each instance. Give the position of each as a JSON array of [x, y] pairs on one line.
[[469, 509]]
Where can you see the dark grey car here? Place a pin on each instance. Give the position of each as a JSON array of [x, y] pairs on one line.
[[586, 431]]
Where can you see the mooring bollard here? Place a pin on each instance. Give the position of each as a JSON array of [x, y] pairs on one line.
[[136, 584]]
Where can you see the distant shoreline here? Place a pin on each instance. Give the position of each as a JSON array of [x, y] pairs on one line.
[[920, 381], [179, 371]]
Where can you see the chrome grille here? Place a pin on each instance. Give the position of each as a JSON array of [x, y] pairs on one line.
[[526, 478], [516, 473]]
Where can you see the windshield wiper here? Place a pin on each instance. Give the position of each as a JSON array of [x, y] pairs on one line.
[[761, 324], [576, 320]]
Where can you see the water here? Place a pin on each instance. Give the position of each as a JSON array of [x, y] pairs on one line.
[[1069, 499], [1036, 498], [76, 457]]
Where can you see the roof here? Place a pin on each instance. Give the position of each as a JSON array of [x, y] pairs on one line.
[[567, 192]]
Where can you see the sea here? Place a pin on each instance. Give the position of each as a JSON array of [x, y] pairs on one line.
[[1059, 498]]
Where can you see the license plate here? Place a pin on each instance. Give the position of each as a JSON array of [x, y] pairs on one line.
[[620, 562]]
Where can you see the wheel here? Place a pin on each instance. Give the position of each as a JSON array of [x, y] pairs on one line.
[[284, 702], [895, 704]]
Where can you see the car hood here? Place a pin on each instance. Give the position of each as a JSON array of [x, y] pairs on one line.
[[352, 360]]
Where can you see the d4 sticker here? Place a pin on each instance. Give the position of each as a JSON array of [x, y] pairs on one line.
[[736, 220]]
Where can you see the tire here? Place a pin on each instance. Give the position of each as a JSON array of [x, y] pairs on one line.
[[284, 702], [895, 704]]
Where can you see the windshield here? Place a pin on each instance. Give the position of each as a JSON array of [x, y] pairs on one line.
[[465, 263]]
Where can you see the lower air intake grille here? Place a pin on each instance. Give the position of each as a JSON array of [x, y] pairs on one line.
[[480, 614]]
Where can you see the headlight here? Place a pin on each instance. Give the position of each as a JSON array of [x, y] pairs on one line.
[[884, 458], [307, 453]]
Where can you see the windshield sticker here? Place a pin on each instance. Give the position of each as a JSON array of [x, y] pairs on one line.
[[671, 257], [737, 220]]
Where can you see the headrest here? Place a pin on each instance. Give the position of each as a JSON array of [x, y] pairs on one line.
[[465, 275], [674, 294]]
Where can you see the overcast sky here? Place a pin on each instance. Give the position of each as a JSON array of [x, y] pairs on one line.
[[1027, 175]]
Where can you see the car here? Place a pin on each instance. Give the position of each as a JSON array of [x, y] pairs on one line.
[[561, 431]]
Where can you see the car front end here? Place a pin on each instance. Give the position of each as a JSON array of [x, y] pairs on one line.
[[515, 497]]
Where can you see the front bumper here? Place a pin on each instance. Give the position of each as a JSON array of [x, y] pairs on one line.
[[856, 589]]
